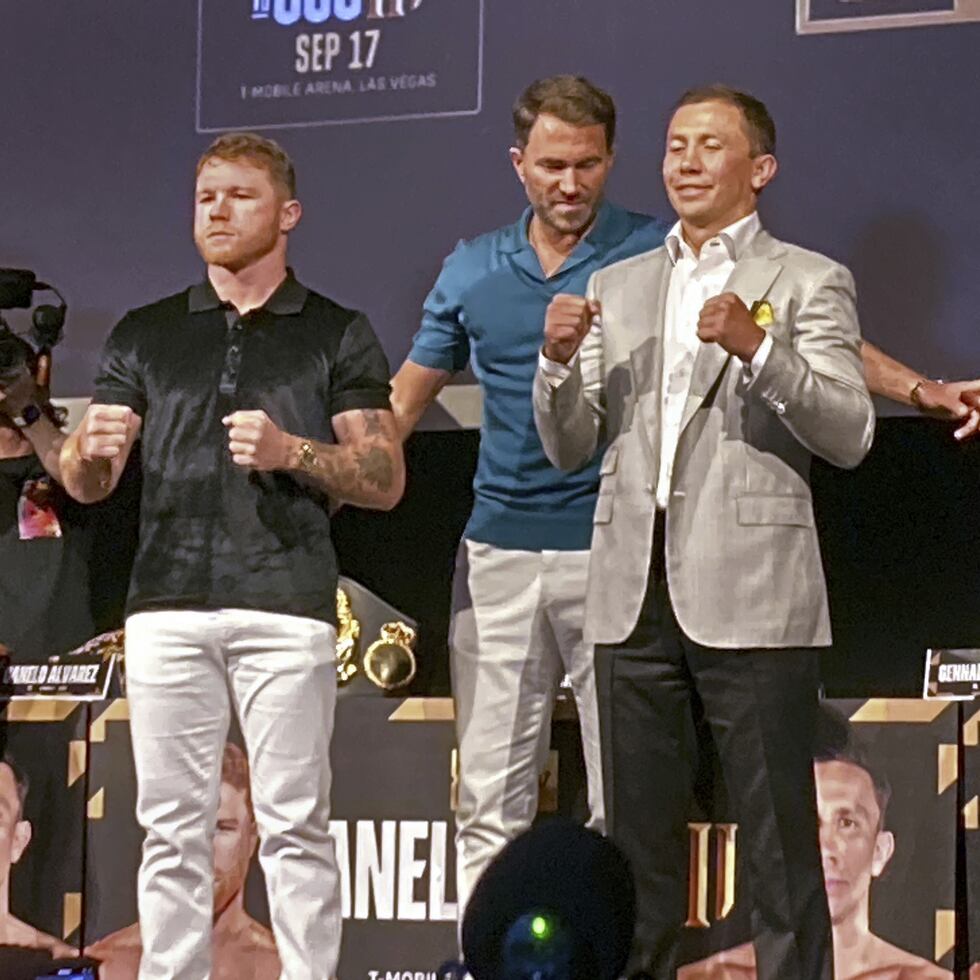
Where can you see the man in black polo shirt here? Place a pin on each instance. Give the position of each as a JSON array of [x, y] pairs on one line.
[[256, 402]]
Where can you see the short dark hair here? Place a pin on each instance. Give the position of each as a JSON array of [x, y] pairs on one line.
[[258, 151], [836, 742], [572, 98], [759, 125], [21, 782]]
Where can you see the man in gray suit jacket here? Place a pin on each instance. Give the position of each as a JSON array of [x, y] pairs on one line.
[[711, 369]]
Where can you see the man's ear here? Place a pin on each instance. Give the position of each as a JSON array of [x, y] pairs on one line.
[[884, 849], [289, 216], [517, 160], [22, 837], [764, 168]]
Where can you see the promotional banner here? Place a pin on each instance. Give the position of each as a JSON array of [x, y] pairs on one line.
[[289, 63], [392, 824], [886, 781], [887, 792], [392, 828], [43, 783]]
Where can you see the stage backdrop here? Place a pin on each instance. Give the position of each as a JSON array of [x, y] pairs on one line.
[[397, 113]]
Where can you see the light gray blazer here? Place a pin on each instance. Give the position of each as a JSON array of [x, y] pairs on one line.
[[743, 562]]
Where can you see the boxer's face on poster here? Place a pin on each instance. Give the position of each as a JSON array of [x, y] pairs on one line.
[[15, 833], [240, 214], [564, 170], [853, 847], [234, 844], [709, 172]]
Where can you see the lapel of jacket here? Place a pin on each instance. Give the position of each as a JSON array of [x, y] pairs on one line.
[[647, 352], [751, 280]]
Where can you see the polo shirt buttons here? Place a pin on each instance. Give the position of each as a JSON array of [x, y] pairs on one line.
[[233, 358]]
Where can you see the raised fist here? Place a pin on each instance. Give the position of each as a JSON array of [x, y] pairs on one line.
[[255, 441], [568, 320], [105, 430], [725, 320]]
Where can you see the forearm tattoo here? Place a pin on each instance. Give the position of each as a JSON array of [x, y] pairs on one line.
[[357, 471], [374, 468]]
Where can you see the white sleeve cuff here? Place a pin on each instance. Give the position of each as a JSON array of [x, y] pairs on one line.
[[759, 359], [554, 372]]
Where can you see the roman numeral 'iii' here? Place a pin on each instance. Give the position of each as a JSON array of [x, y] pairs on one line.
[[699, 878]]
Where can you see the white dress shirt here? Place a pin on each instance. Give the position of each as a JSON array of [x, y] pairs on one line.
[[693, 280]]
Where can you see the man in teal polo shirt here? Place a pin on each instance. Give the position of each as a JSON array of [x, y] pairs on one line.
[[520, 583]]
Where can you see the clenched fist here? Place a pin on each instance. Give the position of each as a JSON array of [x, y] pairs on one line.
[[725, 320], [566, 323], [255, 441], [105, 430]]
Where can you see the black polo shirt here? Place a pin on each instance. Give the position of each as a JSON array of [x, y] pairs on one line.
[[212, 534]]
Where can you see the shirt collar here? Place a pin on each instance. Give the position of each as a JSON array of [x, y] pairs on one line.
[[288, 299], [736, 239]]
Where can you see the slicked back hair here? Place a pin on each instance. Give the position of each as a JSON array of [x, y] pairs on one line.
[[572, 99], [259, 152]]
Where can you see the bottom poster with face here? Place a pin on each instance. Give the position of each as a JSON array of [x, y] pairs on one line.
[[42, 824], [243, 946], [392, 829], [885, 774]]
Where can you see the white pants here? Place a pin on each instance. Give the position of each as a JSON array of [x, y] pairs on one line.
[[185, 670], [517, 629]]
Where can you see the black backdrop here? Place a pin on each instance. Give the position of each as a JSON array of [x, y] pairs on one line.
[[900, 537]]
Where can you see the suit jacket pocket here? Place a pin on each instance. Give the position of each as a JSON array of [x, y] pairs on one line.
[[774, 509], [603, 508], [609, 461]]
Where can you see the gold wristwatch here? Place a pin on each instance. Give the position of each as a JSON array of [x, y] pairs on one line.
[[308, 459]]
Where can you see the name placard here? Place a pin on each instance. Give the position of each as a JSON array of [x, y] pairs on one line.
[[952, 675], [81, 678]]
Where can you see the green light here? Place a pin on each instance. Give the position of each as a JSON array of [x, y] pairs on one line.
[[540, 927]]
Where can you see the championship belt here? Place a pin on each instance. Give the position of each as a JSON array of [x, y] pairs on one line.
[[348, 633], [388, 665], [389, 662], [105, 645]]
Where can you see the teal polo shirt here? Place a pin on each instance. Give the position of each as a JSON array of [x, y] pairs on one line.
[[487, 308]]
